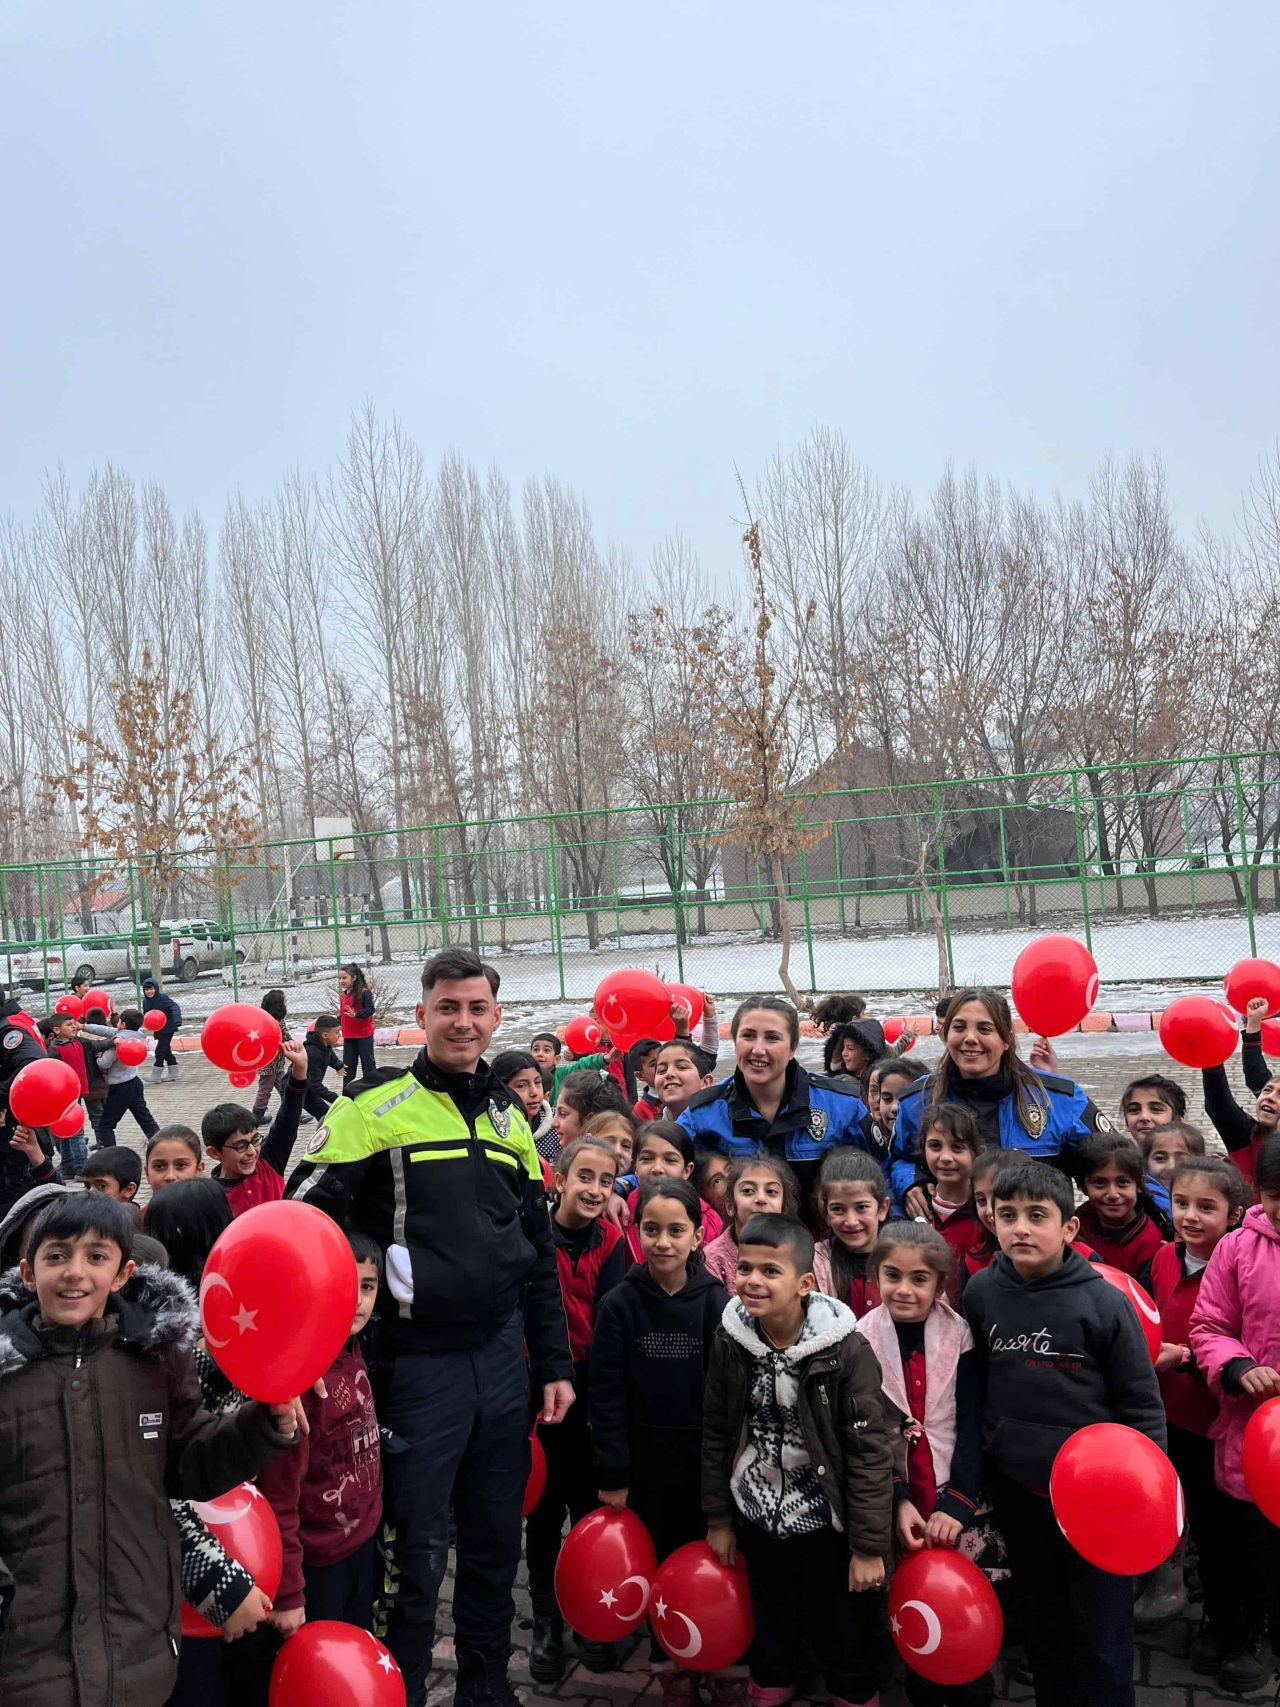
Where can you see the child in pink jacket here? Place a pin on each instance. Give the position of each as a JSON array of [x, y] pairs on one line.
[[1235, 1339]]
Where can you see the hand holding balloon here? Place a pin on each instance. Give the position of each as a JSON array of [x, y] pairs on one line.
[[557, 1397], [612, 1496], [911, 1528], [722, 1542], [289, 1419], [1256, 1010], [247, 1616], [942, 1531], [25, 1140]]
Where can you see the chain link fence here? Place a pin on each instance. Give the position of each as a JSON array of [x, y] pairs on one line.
[[1169, 870]]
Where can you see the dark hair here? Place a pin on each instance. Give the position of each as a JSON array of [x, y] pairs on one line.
[[273, 1003], [1029, 1093], [226, 1120], [769, 1005], [1022, 1176], [89, 1018], [1169, 1089], [176, 1133], [846, 1166], [927, 1242], [837, 1010], [956, 1121], [131, 1019], [988, 1161], [51, 1022], [703, 1059], [512, 1061], [1266, 1165], [679, 1190], [359, 983], [670, 1133], [452, 965], [187, 1217], [785, 1176], [73, 1214], [365, 1249], [940, 1007], [833, 1051], [781, 1233], [1193, 1135], [587, 1093], [115, 1161], [547, 1037], [1223, 1176], [640, 1052], [589, 1141], [599, 1124], [702, 1161], [1100, 1148], [900, 1066], [326, 1022]]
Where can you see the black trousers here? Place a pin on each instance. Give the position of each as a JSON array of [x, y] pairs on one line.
[[164, 1055], [1079, 1620], [125, 1098], [800, 1594], [317, 1101], [357, 1052], [214, 1673], [345, 1590], [461, 1422], [1252, 1593], [570, 1492], [1217, 1528]]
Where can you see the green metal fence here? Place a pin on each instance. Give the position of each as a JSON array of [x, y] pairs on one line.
[[1169, 869]]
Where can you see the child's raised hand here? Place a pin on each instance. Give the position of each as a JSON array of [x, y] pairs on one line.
[[911, 1528], [1255, 1012], [247, 1616], [612, 1496], [287, 1623], [722, 1542], [865, 1573], [25, 1140], [680, 1018], [296, 1055], [1260, 1383], [1043, 1057], [942, 1531], [708, 1003]]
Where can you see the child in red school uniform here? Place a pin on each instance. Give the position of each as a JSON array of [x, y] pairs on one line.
[[949, 1147], [853, 1201], [1209, 1197], [249, 1170], [591, 1260], [757, 1185], [327, 1493], [355, 1013], [665, 1151], [1119, 1221]]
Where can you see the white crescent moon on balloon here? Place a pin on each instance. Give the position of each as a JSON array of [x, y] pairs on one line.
[[218, 1511], [258, 1054], [933, 1627], [1181, 1510], [695, 1638], [207, 1285], [642, 1583], [1146, 1307]]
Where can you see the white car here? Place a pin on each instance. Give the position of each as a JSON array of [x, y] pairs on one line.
[[99, 959]]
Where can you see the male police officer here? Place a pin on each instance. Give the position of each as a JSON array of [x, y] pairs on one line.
[[438, 1164]]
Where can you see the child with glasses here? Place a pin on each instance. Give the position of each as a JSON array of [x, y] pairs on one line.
[[249, 1169]]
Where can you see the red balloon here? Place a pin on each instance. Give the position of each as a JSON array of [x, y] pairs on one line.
[[1249, 978], [240, 1038], [153, 1020], [701, 1610], [1143, 1303], [1054, 984], [97, 999], [583, 1035], [1198, 1032], [69, 1004], [690, 998], [132, 1051], [944, 1616], [536, 1486], [276, 1299], [241, 1080], [42, 1091], [893, 1028], [68, 1124], [604, 1573], [1271, 1037], [1117, 1499], [632, 1004], [340, 1665], [1262, 1459], [246, 1526]]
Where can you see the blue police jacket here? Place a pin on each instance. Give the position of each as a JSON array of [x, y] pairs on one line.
[[815, 1115]]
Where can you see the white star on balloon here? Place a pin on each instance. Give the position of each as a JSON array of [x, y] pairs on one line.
[[607, 1597], [660, 1607], [895, 1624], [386, 1663], [246, 1320], [253, 1493]]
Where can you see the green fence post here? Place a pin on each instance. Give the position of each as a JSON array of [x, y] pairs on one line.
[[675, 860], [442, 895], [557, 928], [1186, 846], [284, 915], [337, 916], [942, 885], [808, 920], [1080, 861], [1244, 860], [1004, 869], [835, 836], [235, 964], [617, 899]]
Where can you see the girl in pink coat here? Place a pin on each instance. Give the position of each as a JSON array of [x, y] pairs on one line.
[[1235, 1339]]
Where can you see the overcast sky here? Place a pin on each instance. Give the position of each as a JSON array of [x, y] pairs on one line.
[[633, 245]]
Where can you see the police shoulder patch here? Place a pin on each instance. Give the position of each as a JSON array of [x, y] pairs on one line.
[[1101, 1123], [12, 1039], [319, 1141]]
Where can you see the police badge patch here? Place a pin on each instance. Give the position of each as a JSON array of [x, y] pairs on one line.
[[500, 1119], [12, 1039], [319, 1141], [1035, 1120], [818, 1122], [1101, 1123]]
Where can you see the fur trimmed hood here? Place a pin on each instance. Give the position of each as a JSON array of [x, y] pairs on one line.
[[826, 1323], [156, 1312]]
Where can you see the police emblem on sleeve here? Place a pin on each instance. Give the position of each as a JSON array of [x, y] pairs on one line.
[[500, 1119], [319, 1141], [1101, 1123], [818, 1122], [12, 1039]]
